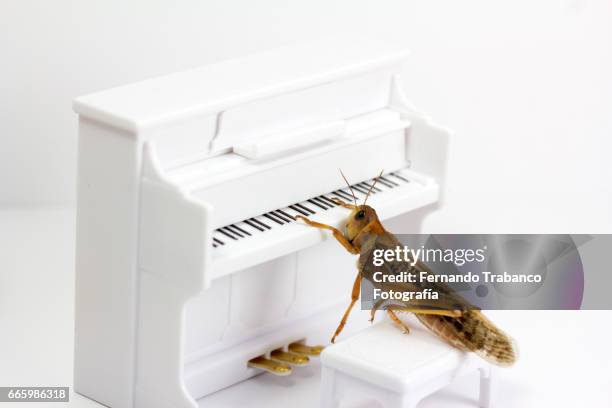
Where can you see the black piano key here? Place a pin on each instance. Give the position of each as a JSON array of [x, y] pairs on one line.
[[218, 241], [286, 215], [296, 209], [240, 229], [227, 234], [252, 224], [369, 189], [400, 177], [268, 216], [360, 189], [274, 214], [365, 187], [343, 195], [322, 202], [303, 207], [348, 192], [388, 181], [328, 200], [263, 224], [232, 230], [373, 187], [385, 183], [281, 216], [317, 204]]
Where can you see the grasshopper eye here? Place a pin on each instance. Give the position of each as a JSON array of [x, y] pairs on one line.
[[360, 215]]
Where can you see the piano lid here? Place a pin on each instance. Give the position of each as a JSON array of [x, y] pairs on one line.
[[177, 97]]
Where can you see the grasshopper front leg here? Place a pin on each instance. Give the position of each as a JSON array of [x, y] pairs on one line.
[[343, 204], [335, 231], [353, 250]]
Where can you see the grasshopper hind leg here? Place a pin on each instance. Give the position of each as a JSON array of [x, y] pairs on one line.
[[397, 321], [374, 309]]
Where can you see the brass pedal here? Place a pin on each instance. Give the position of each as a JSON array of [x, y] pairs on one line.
[[289, 358], [271, 366], [306, 350]]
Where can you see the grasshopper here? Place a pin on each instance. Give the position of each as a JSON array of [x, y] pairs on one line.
[[450, 317]]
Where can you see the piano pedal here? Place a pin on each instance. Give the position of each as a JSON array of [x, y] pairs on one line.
[[289, 357], [303, 349], [271, 366]]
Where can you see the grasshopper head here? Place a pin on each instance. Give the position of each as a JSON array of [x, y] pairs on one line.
[[358, 219]]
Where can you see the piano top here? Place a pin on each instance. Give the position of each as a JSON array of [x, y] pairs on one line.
[[213, 88]]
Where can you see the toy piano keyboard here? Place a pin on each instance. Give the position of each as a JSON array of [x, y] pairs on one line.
[[192, 273]]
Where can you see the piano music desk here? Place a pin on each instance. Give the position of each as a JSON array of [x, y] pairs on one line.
[[395, 368]]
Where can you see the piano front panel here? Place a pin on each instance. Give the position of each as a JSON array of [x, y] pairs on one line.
[[264, 293], [265, 301], [240, 306], [325, 275], [207, 318]]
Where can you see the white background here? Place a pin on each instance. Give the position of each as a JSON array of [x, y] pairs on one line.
[[525, 85]]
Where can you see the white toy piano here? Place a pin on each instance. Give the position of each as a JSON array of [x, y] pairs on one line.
[[190, 264]]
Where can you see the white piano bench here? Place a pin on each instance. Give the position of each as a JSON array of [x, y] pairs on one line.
[[395, 368]]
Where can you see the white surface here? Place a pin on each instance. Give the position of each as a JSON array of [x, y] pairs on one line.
[[564, 358]]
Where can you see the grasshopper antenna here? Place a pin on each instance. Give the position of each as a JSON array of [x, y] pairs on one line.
[[349, 186], [372, 186]]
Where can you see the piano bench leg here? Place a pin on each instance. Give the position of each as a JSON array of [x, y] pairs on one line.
[[329, 398], [486, 385]]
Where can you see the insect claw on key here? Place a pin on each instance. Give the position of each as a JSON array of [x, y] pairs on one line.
[[301, 217], [342, 203]]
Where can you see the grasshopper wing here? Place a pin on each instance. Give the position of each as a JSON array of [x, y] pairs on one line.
[[448, 298]]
